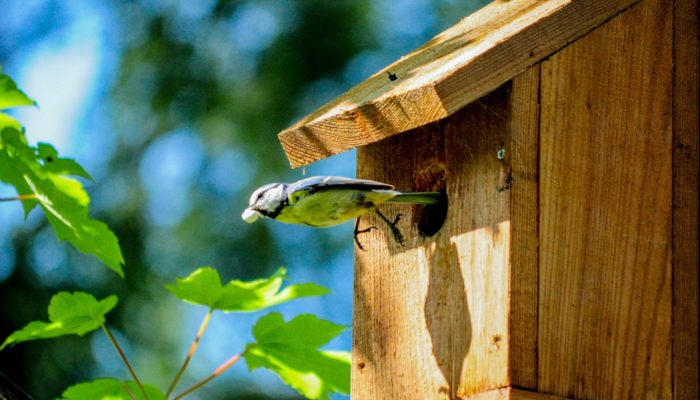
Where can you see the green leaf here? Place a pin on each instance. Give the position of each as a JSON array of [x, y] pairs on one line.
[[110, 389], [69, 314], [290, 349], [59, 166], [204, 287], [9, 136], [8, 122], [11, 172], [39, 172], [10, 96], [72, 189], [71, 222], [63, 199]]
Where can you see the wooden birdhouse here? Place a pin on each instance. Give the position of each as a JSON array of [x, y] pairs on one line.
[[565, 136]]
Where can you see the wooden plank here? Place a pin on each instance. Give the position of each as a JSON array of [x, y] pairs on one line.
[[458, 66], [605, 211], [686, 126], [524, 127], [496, 394], [431, 318], [510, 393], [519, 394]]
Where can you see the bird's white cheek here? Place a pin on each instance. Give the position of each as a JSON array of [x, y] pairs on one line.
[[250, 216]]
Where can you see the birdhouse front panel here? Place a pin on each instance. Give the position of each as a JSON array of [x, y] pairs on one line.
[[436, 309]]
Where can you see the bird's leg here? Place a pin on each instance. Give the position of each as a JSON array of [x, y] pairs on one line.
[[357, 231], [392, 225]]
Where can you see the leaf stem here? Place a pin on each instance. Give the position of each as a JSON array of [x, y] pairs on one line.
[[123, 357], [193, 348], [131, 394], [20, 197], [223, 367]]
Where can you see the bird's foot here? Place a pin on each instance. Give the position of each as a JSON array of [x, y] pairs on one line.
[[394, 229], [358, 231]]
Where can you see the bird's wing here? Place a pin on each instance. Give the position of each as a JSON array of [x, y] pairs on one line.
[[316, 183]]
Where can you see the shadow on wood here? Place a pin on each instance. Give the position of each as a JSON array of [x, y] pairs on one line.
[[424, 327], [447, 314]]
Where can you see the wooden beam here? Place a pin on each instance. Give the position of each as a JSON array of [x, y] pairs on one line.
[[686, 127], [458, 66], [606, 210]]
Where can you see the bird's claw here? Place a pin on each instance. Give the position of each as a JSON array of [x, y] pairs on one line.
[[395, 230], [358, 231], [392, 225]]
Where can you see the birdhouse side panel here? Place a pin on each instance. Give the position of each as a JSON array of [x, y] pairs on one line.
[[686, 129], [606, 211]]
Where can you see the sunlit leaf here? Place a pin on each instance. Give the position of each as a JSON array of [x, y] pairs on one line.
[[71, 222], [40, 176], [69, 314], [110, 389], [8, 122], [10, 95], [12, 137], [60, 166], [11, 172], [290, 349], [63, 199], [71, 188], [204, 287]]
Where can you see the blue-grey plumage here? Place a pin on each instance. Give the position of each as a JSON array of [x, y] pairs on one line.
[[328, 200]]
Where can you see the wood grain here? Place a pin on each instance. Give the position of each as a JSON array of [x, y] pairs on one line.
[[524, 128], [605, 211], [686, 371], [510, 393], [519, 394], [458, 66], [431, 319]]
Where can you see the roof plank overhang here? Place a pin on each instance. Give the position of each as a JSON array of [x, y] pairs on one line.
[[453, 69]]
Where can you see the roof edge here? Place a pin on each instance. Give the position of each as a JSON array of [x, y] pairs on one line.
[[455, 68]]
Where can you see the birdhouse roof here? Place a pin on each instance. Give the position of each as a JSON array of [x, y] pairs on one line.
[[455, 68]]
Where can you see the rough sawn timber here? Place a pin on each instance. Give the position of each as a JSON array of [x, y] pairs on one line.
[[605, 288], [431, 318], [686, 127], [455, 68]]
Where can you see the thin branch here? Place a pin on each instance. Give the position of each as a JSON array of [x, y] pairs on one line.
[[20, 197], [223, 367], [123, 356], [193, 348]]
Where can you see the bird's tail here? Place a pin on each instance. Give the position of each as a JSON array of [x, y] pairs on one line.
[[417, 198]]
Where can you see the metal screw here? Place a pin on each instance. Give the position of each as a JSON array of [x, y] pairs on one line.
[[501, 155]]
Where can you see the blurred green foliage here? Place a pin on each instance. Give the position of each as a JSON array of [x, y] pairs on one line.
[[203, 90]]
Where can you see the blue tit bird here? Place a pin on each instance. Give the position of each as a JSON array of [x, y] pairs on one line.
[[321, 201]]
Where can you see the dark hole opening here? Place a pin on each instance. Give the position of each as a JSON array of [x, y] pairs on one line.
[[433, 216]]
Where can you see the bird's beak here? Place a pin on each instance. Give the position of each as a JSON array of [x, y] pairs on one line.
[[250, 215]]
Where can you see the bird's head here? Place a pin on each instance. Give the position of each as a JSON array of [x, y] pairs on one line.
[[266, 201]]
